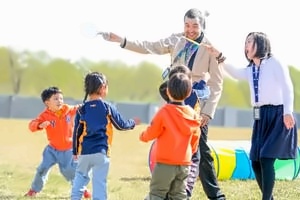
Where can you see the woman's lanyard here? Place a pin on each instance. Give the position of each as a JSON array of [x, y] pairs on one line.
[[255, 76]]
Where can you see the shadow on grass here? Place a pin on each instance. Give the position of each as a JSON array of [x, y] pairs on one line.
[[6, 197], [137, 178], [14, 197]]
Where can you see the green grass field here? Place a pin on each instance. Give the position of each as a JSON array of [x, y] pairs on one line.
[[129, 176]]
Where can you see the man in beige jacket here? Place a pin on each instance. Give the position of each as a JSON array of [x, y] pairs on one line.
[[186, 49]]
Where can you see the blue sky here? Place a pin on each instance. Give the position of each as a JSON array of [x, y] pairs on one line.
[[54, 26]]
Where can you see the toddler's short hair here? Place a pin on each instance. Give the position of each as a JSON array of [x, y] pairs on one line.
[[179, 86], [163, 91], [49, 92]]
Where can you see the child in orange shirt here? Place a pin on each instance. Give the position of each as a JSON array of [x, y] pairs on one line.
[[176, 130], [199, 94], [58, 121]]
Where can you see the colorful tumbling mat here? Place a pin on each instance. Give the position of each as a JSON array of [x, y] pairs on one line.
[[231, 159]]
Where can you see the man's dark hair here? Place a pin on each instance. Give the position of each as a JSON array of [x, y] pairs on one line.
[[194, 13], [49, 92]]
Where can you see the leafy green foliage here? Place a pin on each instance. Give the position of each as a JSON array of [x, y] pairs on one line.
[[234, 93], [126, 83], [5, 75], [295, 74]]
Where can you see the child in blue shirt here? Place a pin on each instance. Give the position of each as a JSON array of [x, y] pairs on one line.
[[200, 89], [93, 135]]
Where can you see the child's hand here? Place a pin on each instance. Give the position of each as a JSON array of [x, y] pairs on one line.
[[141, 137], [137, 121], [44, 124], [205, 76]]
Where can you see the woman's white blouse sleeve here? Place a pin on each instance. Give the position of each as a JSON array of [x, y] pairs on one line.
[[237, 73]]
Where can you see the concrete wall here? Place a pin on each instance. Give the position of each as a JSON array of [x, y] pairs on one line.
[[29, 107]]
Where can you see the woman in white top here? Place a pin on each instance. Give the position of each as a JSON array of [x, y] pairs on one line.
[[274, 134]]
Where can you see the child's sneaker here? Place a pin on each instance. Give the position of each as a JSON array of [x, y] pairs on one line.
[[87, 194], [31, 193]]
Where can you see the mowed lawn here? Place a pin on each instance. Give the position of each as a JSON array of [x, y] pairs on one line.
[[129, 176]]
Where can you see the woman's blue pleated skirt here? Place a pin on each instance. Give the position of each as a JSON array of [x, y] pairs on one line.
[[270, 137]]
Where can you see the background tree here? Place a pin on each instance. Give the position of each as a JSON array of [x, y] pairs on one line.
[[18, 64], [295, 74], [5, 82], [28, 73]]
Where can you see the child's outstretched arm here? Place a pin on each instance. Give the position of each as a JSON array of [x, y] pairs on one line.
[[38, 123], [153, 130], [201, 90], [118, 121], [205, 76]]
